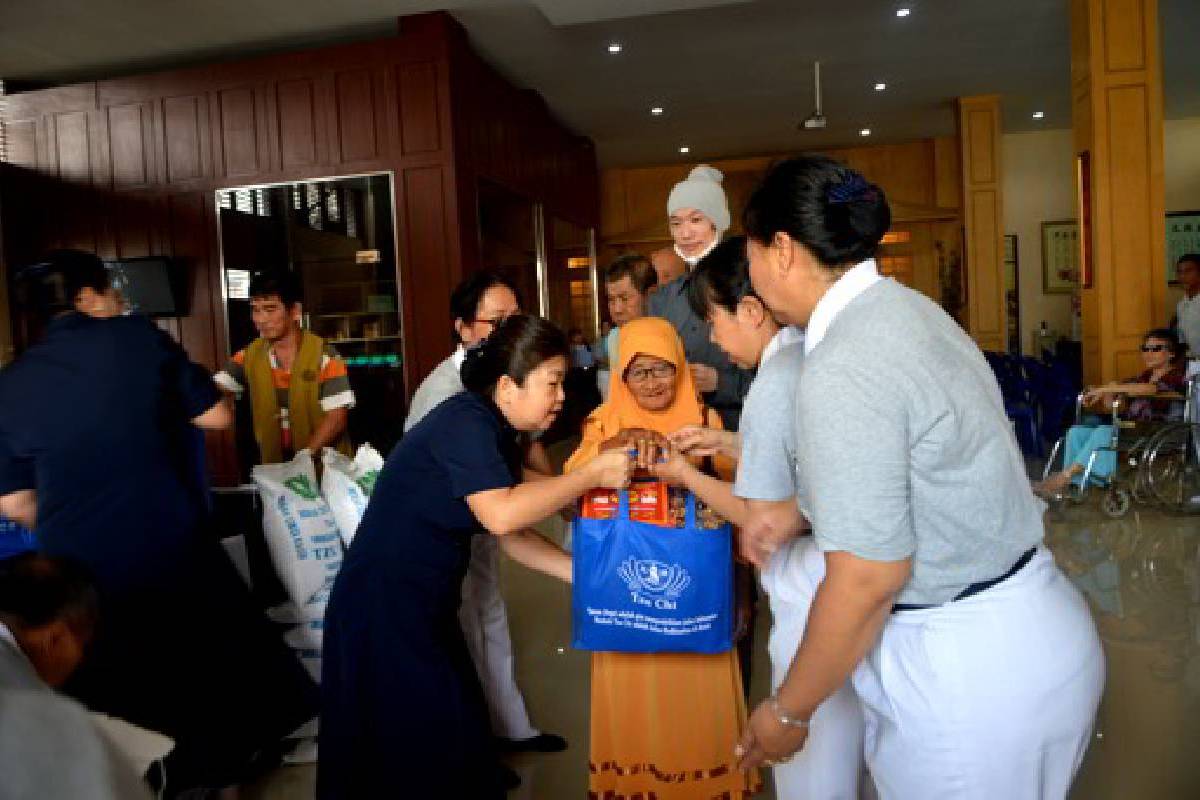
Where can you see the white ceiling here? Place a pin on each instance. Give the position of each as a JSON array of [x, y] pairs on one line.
[[733, 75]]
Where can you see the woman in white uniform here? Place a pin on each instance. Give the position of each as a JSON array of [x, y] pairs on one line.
[[977, 663], [831, 764]]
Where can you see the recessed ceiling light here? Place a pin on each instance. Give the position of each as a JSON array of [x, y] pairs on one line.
[[657, 111], [1039, 115], [903, 11], [614, 47], [865, 132], [685, 149], [879, 87]]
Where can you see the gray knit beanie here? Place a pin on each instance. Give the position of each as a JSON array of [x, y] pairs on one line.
[[702, 190]]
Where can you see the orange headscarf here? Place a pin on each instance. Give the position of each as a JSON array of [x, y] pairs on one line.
[[650, 336]]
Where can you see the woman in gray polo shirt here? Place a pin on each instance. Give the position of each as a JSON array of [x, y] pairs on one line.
[[976, 661]]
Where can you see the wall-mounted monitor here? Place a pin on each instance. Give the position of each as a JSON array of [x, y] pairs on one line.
[[149, 285]]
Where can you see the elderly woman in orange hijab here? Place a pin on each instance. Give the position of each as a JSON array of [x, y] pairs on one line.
[[663, 725]]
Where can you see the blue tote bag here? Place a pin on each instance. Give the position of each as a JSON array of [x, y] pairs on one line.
[[643, 588]]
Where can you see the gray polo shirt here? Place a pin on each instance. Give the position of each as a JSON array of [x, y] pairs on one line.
[[903, 448], [441, 384], [767, 467], [670, 302]]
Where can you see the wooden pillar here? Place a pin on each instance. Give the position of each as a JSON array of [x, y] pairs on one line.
[[1116, 79], [983, 218]]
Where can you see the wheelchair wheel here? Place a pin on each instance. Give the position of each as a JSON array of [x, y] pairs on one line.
[[1167, 469], [1116, 502]]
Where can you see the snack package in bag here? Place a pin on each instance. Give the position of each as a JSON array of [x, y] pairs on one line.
[[347, 485], [645, 588]]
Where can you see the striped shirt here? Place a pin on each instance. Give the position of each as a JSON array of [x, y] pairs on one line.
[[333, 390]]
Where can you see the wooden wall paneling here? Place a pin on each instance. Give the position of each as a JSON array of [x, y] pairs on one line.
[[187, 139], [1118, 121], [297, 123], [72, 150], [130, 131], [355, 105], [420, 116], [427, 273], [22, 142], [237, 143], [983, 208]]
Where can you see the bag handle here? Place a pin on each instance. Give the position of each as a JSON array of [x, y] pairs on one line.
[[690, 518], [623, 504]]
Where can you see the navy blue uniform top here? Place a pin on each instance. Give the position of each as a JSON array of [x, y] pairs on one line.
[[418, 519], [96, 418]]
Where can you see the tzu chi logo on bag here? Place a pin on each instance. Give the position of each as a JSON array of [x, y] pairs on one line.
[[664, 583]]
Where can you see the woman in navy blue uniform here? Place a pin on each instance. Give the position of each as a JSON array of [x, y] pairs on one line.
[[402, 712], [98, 428]]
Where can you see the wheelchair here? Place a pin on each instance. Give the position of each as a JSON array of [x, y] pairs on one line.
[[1157, 463]]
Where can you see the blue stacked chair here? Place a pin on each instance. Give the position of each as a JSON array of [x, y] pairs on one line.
[[1020, 401]]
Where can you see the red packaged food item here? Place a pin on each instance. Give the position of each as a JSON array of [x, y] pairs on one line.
[[647, 502]]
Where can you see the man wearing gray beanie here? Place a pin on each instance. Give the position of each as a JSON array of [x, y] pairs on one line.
[[698, 216]]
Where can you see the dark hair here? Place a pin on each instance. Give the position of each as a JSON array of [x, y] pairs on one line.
[[721, 278], [280, 283], [465, 300], [1171, 337], [1193, 258], [36, 590], [516, 348], [54, 283], [822, 204], [637, 268]]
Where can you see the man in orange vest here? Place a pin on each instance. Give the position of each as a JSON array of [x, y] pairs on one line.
[[300, 394]]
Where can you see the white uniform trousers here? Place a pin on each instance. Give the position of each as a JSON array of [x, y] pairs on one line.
[[988, 698], [831, 764], [485, 624]]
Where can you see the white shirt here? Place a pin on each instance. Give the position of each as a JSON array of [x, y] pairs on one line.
[[787, 335], [1188, 322], [858, 279], [459, 356]]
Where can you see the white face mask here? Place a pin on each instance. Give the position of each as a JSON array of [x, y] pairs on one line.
[[692, 261]]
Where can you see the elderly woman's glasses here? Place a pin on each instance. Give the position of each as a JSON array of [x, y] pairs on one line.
[[1153, 348], [643, 374]]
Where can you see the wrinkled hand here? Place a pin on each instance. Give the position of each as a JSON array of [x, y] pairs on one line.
[[612, 469], [705, 378], [648, 446], [767, 741], [698, 440]]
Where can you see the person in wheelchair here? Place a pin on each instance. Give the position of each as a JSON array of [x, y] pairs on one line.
[[1143, 400]]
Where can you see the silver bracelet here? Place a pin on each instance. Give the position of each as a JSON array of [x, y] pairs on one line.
[[785, 718]]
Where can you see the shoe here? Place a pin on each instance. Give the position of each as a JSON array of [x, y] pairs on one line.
[[542, 743]]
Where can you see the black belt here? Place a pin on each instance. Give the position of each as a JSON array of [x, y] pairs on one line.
[[975, 588]]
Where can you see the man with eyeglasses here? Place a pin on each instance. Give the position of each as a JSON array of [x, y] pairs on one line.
[[477, 306]]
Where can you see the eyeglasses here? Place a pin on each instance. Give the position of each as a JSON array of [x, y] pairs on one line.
[[643, 374], [1153, 348], [494, 321]]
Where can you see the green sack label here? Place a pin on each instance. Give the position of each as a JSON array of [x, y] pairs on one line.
[[301, 485]]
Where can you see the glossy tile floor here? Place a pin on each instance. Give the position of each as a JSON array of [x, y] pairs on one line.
[[1141, 575]]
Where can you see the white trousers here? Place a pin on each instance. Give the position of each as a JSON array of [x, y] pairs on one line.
[[484, 622], [988, 698], [831, 764]]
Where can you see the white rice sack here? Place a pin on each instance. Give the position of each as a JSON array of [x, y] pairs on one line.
[[301, 532], [347, 485]]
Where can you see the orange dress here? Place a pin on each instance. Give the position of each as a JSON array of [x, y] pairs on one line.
[[663, 725]]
